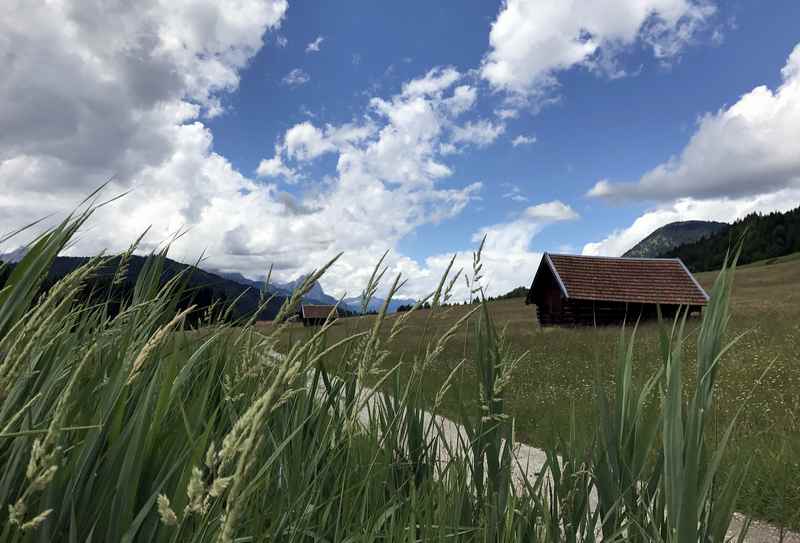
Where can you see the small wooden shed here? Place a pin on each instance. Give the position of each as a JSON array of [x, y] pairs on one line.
[[316, 315], [594, 290]]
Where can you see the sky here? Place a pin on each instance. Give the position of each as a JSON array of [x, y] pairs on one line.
[[275, 133]]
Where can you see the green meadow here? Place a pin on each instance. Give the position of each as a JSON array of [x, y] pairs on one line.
[[121, 421], [759, 379]]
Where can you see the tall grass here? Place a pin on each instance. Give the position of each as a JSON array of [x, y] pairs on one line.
[[130, 426]]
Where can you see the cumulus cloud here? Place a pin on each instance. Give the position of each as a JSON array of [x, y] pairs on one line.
[[463, 99], [507, 113], [480, 133], [685, 209], [522, 139], [124, 94], [508, 259], [93, 93], [274, 167], [551, 212], [296, 78], [305, 141], [315, 45], [531, 41], [750, 147], [388, 167], [434, 82]]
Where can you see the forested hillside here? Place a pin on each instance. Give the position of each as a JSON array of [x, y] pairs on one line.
[[229, 299], [765, 236], [674, 235]]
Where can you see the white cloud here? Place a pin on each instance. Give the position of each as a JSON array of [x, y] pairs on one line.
[[274, 167], [749, 148], [514, 193], [508, 259], [530, 41], [121, 92], [282, 41], [717, 209], [506, 113], [434, 82], [295, 78], [385, 184], [551, 212], [522, 139], [480, 133], [463, 99], [93, 93], [314, 46], [305, 141]]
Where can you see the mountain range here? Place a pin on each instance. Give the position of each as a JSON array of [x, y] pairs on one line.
[[318, 296], [202, 288], [224, 285], [702, 245]]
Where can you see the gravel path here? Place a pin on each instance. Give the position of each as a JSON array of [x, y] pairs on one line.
[[530, 460]]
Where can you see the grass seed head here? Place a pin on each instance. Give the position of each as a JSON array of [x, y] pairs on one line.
[[36, 521], [195, 491], [168, 516]]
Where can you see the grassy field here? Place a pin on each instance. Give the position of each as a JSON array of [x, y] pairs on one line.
[[121, 421], [759, 378]]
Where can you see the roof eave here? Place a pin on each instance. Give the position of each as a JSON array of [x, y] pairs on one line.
[[553, 269], [691, 276]]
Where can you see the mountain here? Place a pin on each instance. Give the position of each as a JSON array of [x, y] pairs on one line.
[[258, 285], [375, 304], [14, 256], [202, 288], [673, 235], [315, 295], [765, 237]]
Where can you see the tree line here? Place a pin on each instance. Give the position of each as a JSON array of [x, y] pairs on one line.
[[764, 236]]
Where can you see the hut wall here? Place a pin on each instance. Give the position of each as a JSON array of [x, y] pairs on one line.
[[601, 313], [314, 321]]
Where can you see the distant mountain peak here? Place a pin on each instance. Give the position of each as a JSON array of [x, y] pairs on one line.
[[375, 303], [316, 293], [14, 256], [674, 235]]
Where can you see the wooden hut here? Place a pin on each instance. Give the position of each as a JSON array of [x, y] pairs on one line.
[[316, 315], [593, 290]]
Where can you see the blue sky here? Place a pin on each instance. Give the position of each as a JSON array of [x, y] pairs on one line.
[[600, 127], [229, 125]]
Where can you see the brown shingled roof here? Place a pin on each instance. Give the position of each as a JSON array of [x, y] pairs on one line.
[[638, 280], [309, 311]]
